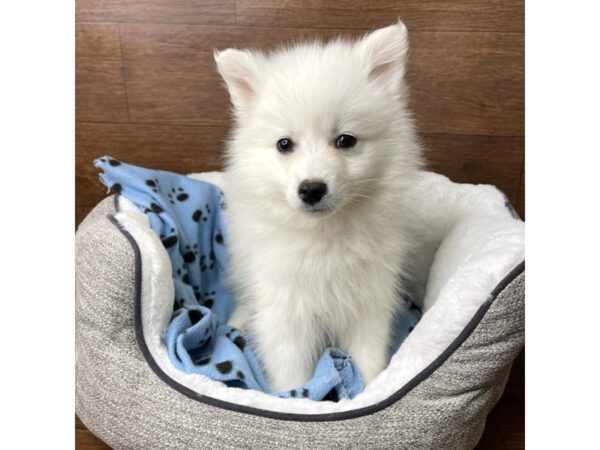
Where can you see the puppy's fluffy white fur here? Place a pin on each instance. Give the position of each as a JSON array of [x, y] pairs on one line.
[[305, 279]]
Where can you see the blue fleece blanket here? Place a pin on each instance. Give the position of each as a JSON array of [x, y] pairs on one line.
[[188, 217]]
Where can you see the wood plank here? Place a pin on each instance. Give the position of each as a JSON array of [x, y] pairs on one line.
[[182, 149], [100, 86], [79, 424], [85, 440], [462, 83], [477, 159], [216, 12], [171, 74], [468, 83], [510, 418], [100, 10], [491, 438], [509, 413], [493, 15]]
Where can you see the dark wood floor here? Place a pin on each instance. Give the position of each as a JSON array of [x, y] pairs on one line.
[[147, 92]]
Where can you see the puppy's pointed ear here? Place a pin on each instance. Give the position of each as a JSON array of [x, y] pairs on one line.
[[240, 72], [385, 52]]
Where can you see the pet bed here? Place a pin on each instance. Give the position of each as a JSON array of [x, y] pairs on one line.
[[436, 392]]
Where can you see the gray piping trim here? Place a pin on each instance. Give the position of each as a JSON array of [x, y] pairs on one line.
[[344, 415]]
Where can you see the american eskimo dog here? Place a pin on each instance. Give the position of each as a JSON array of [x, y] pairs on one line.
[[321, 155]]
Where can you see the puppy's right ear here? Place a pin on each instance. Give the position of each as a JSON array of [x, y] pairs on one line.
[[385, 52], [240, 72]]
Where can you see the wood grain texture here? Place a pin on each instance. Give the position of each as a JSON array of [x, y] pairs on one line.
[[491, 438], [468, 83], [79, 424], [171, 73], [493, 160], [99, 83], [157, 11], [182, 11], [101, 10], [85, 440], [509, 413], [461, 83], [474, 15]]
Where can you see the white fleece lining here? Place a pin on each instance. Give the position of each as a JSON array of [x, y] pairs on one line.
[[470, 243]]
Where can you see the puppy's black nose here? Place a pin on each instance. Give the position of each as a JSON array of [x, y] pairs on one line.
[[311, 191]]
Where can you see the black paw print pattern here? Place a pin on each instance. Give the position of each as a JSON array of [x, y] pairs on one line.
[[116, 188], [177, 195], [222, 200], [170, 240], [113, 162], [239, 340], [153, 183], [197, 293], [197, 215], [179, 302], [224, 367], [184, 276], [190, 253], [207, 265], [154, 208], [200, 215], [296, 393], [206, 298]]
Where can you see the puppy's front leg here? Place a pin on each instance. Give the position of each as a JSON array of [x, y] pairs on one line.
[[367, 343], [287, 350]]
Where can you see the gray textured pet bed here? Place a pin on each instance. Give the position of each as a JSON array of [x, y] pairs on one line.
[[436, 393]]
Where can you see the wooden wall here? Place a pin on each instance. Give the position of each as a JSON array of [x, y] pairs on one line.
[[147, 92]]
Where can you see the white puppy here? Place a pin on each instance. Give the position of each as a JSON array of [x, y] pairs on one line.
[[321, 154]]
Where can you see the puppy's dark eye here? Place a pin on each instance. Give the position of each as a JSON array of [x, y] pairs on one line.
[[345, 141], [285, 145]]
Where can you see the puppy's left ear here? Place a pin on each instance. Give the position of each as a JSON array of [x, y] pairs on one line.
[[385, 52], [239, 69]]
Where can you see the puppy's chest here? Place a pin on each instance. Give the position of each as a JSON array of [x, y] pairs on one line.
[[325, 275]]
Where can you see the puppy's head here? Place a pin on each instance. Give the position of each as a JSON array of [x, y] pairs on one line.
[[319, 126]]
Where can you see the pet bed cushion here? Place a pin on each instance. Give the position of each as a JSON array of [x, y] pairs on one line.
[[436, 392]]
